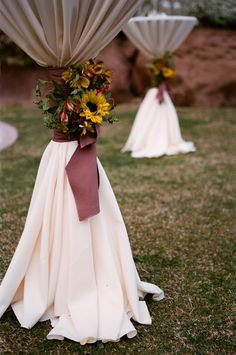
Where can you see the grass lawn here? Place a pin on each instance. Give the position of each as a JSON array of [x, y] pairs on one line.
[[180, 215]]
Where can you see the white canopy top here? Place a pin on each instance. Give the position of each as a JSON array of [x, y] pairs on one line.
[[163, 17], [64, 32], [154, 35]]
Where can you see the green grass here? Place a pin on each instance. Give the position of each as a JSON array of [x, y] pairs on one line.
[[180, 215]]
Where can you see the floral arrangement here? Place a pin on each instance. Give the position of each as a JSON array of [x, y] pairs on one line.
[[162, 69], [79, 101]]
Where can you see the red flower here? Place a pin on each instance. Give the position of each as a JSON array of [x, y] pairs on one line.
[[69, 105], [64, 116], [76, 107]]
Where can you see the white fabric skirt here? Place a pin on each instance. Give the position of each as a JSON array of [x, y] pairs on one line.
[[156, 130], [80, 275]]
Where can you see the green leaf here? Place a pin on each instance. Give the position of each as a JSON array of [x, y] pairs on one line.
[[42, 82], [37, 90], [111, 119], [58, 89], [108, 94], [52, 109], [76, 91], [45, 104]]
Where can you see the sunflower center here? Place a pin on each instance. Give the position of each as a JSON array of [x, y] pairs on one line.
[[92, 107]]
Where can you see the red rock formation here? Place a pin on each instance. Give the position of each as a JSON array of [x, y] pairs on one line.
[[206, 71], [206, 64]]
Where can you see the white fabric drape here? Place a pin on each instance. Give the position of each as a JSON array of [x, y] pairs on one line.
[[156, 35], [64, 32], [81, 275], [160, 133]]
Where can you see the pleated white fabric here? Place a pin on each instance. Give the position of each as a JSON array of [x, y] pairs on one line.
[[156, 130], [81, 275], [154, 35], [61, 32]]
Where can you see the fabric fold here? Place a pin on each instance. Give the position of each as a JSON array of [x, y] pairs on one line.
[[159, 134], [80, 275]]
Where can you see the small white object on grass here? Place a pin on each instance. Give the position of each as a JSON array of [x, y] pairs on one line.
[[8, 135]]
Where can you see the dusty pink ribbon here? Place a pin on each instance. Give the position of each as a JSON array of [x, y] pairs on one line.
[[82, 173], [82, 170], [161, 88]]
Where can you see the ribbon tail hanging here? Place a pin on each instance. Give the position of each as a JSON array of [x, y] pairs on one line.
[[161, 89], [82, 172]]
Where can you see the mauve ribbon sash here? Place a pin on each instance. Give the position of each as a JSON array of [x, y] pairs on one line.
[[82, 173], [161, 89], [82, 170]]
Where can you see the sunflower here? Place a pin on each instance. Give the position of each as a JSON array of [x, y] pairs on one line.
[[168, 72], [94, 106]]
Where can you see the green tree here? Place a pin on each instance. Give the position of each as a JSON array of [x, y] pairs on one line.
[[215, 13], [10, 53]]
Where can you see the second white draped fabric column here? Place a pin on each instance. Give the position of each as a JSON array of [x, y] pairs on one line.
[[156, 129]]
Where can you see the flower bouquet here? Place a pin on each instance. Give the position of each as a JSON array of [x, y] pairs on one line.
[[79, 100], [162, 69]]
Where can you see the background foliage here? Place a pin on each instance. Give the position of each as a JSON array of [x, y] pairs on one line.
[[10, 53], [214, 13]]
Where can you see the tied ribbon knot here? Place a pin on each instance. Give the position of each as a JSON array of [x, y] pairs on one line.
[[81, 170], [161, 89]]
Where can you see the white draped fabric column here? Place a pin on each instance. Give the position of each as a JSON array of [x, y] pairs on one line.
[[156, 130], [81, 275]]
